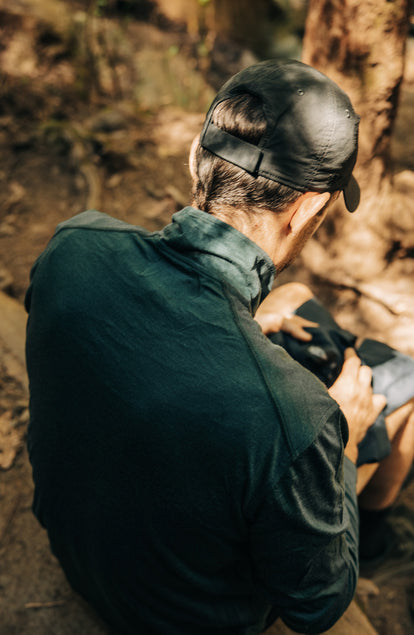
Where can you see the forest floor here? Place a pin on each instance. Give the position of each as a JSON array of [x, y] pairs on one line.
[[133, 165]]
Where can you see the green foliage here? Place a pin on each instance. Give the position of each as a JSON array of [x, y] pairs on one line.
[[173, 50], [100, 6]]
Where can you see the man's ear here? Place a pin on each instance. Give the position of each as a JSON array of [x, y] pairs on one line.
[[305, 208], [192, 162]]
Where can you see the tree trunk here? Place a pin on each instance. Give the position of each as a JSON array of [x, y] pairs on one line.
[[361, 46]]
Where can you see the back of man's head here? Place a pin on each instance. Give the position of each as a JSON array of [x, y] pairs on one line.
[[276, 130]]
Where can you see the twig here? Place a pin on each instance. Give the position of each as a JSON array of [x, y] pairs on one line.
[[44, 605]]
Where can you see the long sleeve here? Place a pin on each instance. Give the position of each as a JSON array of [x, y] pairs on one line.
[[304, 538]]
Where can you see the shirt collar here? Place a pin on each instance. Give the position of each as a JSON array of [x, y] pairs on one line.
[[225, 251]]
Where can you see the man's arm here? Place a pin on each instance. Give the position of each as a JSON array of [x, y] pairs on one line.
[[304, 539]]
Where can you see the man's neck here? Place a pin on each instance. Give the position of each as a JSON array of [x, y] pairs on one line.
[[265, 228]]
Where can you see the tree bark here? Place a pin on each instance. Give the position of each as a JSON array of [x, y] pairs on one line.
[[361, 46]]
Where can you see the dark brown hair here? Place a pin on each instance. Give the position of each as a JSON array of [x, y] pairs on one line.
[[221, 184]]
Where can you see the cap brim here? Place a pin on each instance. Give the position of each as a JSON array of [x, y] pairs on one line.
[[352, 194]]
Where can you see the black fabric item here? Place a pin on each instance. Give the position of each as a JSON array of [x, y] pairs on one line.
[[374, 353], [311, 138], [393, 372], [324, 354]]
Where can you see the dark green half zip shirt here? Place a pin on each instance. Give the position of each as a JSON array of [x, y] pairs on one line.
[[189, 473]]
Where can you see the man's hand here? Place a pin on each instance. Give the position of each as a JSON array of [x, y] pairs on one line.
[[353, 392], [293, 324], [277, 311]]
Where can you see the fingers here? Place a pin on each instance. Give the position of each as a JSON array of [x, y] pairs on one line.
[[354, 368], [296, 330], [350, 353], [365, 376], [295, 326], [353, 392], [300, 334], [269, 322], [352, 363], [379, 402], [306, 322]]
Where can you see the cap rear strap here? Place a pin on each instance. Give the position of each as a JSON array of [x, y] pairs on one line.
[[232, 149]]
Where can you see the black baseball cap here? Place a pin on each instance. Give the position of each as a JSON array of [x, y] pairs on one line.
[[311, 137]]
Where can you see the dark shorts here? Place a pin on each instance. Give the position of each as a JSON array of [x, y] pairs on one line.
[[392, 372]]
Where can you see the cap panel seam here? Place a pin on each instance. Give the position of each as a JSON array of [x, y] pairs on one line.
[[328, 142]]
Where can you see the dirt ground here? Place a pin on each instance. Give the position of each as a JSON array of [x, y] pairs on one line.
[[135, 167]]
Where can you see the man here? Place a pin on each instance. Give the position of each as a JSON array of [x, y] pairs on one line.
[[192, 477]]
